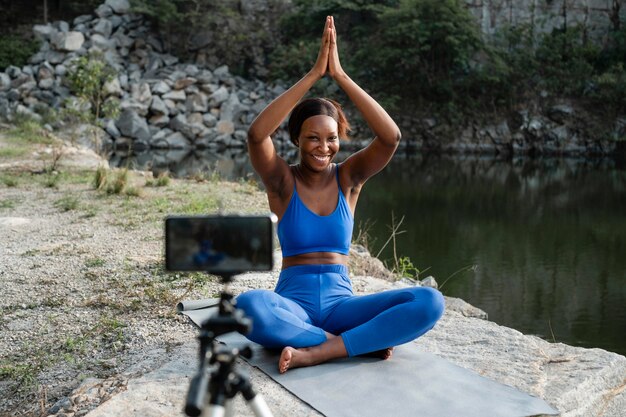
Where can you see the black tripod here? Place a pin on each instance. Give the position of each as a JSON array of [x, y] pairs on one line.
[[222, 382]]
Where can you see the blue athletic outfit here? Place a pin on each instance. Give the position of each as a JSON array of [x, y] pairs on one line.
[[310, 300]]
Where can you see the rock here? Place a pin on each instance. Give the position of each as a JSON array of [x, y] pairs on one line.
[[55, 57], [112, 129], [560, 113], [119, 6], [158, 106], [209, 120], [102, 43], [5, 82], [219, 96], [160, 88], [183, 83], [177, 95], [177, 141], [141, 92], [104, 27], [61, 26], [113, 88], [82, 19], [466, 309], [429, 282], [68, 41], [43, 32], [13, 71], [159, 120], [225, 127], [132, 125], [197, 103]]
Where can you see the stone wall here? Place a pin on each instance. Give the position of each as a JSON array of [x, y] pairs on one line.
[[164, 103], [545, 15]]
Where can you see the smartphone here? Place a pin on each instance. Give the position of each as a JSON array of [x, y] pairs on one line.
[[220, 244]]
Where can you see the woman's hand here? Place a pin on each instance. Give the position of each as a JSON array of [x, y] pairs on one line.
[[334, 66], [321, 64]]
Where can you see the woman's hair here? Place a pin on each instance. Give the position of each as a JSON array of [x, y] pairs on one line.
[[316, 107]]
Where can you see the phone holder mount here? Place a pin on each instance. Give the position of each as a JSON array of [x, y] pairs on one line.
[[216, 375]]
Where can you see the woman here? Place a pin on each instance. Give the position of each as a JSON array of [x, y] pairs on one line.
[[312, 314]]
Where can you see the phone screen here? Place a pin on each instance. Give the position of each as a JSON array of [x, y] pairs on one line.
[[220, 244]]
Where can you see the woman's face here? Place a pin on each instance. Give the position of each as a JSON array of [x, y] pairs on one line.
[[318, 142]]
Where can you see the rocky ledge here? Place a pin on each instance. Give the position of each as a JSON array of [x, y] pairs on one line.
[[578, 382]]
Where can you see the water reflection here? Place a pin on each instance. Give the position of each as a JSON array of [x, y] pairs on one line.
[[547, 236], [548, 239]]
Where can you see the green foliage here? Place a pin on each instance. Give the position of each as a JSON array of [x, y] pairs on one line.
[[86, 78], [566, 61], [67, 203], [404, 267], [15, 50], [430, 55]]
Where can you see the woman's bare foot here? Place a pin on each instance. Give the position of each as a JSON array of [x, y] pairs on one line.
[[291, 358], [380, 354]]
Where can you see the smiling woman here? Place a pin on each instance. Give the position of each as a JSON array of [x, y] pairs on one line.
[[312, 314]]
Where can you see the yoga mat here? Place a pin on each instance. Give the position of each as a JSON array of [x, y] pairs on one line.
[[412, 383]]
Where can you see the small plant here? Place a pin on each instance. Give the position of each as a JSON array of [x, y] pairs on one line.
[[86, 78], [67, 203], [100, 178], [133, 192], [9, 181], [51, 180], [94, 262], [163, 179], [404, 267], [7, 204], [119, 182]]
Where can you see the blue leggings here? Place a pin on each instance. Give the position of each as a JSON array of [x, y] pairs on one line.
[[310, 300]]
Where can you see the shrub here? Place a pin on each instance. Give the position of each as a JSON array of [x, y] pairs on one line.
[[86, 78], [15, 50]]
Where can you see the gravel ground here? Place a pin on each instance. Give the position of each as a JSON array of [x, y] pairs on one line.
[[84, 294]]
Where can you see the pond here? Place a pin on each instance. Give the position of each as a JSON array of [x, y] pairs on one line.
[[539, 244]]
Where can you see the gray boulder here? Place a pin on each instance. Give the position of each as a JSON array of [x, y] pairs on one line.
[[219, 96], [158, 106], [103, 27], [68, 41], [43, 32], [5, 82], [132, 125], [161, 88], [119, 6]]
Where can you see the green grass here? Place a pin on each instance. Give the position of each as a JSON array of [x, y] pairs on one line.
[[7, 204], [94, 262], [14, 151], [199, 204], [9, 180], [67, 203]]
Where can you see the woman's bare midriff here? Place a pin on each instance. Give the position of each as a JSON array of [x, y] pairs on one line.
[[315, 258]]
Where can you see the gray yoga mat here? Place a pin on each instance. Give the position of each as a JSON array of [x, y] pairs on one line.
[[412, 383]]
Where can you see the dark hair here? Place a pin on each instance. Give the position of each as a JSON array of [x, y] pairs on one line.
[[316, 107]]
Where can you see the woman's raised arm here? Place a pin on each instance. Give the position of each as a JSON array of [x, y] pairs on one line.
[[265, 161], [367, 162]]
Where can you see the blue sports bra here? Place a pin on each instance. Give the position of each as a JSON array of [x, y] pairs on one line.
[[302, 231]]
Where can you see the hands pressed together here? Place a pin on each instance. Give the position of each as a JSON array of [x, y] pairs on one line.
[[328, 56]]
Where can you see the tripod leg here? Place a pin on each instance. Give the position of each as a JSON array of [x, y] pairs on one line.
[[216, 411], [259, 406], [254, 400]]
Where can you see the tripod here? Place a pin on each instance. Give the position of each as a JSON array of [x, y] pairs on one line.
[[222, 382]]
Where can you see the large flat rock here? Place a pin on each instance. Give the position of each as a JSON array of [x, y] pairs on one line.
[[578, 382]]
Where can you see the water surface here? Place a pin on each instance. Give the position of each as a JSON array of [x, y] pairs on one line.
[[540, 245]]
